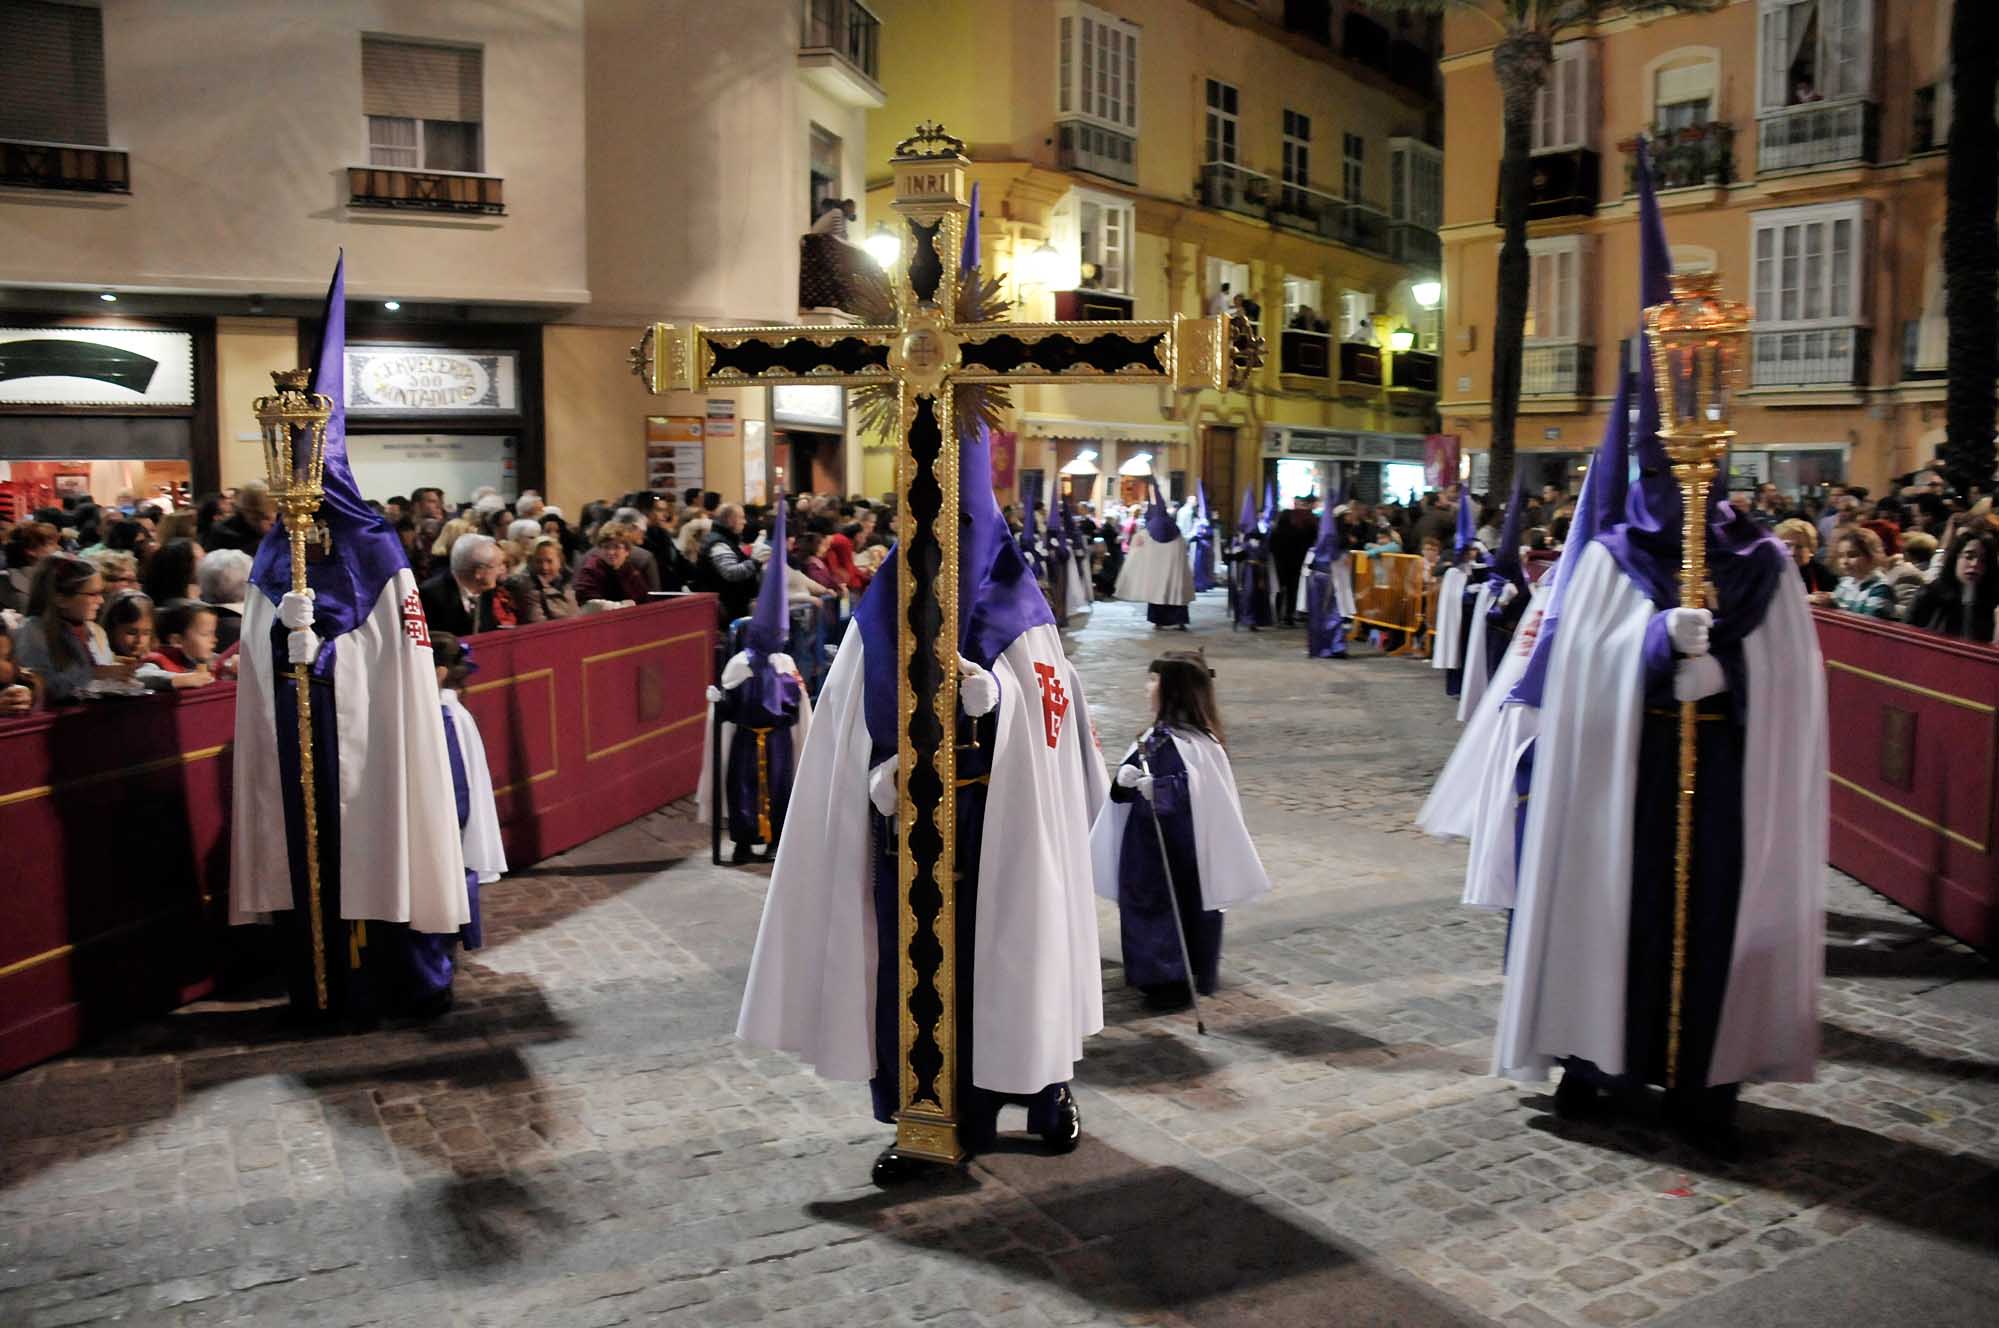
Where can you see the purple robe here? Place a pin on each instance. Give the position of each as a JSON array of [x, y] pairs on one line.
[[1146, 931]]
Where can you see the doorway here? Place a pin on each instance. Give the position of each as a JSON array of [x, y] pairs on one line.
[[1218, 444]]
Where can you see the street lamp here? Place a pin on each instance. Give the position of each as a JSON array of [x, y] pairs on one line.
[[1427, 293], [883, 246], [1401, 339], [1042, 265]]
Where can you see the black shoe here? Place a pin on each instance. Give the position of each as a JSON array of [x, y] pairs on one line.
[[742, 855], [893, 1168], [1576, 1096], [434, 1006], [1167, 996], [1066, 1130]]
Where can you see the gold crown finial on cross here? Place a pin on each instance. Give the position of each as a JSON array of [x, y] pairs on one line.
[[930, 140]]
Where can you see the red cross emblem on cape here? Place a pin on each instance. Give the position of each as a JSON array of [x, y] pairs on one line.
[[1054, 702], [415, 626]]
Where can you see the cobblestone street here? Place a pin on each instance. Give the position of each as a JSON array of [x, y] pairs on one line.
[[583, 1142]]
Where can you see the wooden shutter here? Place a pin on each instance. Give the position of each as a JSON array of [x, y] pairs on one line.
[[52, 73], [421, 82]]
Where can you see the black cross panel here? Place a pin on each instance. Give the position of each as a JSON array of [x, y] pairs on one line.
[[926, 265], [926, 789], [797, 356], [1106, 352]]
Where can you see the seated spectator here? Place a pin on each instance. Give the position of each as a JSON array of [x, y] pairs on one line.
[[837, 548], [182, 524], [574, 546], [466, 597], [1961, 600], [543, 591], [224, 580], [1862, 588], [523, 531], [805, 557], [640, 557], [1802, 539], [186, 655], [1919, 550], [172, 573], [132, 537], [20, 690], [449, 534], [607, 576], [27, 544], [61, 640], [119, 570], [253, 516]]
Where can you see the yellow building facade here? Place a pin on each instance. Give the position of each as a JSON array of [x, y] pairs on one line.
[[1800, 150], [1135, 155]]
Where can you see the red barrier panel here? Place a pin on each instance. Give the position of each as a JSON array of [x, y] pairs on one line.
[[114, 817], [1914, 725]]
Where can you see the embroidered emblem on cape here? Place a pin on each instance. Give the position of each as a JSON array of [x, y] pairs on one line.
[[1054, 702], [415, 627]]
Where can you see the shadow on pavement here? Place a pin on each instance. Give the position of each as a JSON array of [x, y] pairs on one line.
[[1137, 1240]]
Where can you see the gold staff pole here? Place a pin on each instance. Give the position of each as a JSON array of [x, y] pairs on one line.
[[1696, 359], [294, 429]]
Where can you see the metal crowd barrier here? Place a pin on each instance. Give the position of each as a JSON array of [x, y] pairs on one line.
[[1392, 594]]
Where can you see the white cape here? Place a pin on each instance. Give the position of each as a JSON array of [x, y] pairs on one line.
[[1341, 572], [1155, 573], [734, 674], [1566, 962], [1072, 591], [1231, 872], [1038, 988], [1444, 643], [1449, 810], [485, 854], [401, 858], [1475, 665]]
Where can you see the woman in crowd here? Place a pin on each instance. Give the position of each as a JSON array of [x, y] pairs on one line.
[[574, 546], [119, 570], [182, 524], [172, 574], [607, 575], [224, 578], [545, 590], [805, 557], [61, 640], [1862, 588], [27, 544], [1960, 602], [1802, 539]]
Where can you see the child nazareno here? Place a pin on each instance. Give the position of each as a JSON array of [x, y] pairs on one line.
[[1175, 783]]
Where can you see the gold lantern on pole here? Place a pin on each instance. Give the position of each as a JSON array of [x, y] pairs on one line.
[[1697, 341], [293, 421]]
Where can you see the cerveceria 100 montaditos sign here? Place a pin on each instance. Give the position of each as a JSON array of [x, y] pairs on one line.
[[407, 380]]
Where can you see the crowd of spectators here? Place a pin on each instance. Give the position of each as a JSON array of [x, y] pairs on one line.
[[118, 599]]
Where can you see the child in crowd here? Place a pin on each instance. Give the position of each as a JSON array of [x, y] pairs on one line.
[[1175, 787], [471, 779], [20, 690], [186, 654]]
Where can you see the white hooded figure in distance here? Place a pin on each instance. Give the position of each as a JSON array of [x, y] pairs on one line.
[[389, 849], [1157, 570], [823, 981]]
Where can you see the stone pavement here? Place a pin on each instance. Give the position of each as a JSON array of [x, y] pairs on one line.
[[582, 1141]]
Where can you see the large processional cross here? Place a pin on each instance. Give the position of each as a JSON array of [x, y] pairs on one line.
[[921, 356]]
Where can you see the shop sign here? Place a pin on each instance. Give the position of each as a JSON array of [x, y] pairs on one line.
[[426, 380], [809, 404], [721, 417], [95, 366]]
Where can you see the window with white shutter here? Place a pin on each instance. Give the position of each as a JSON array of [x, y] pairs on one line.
[[1806, 266], [1221, 122], [1564, 118], [1097, 61], [424, 104], [1555, 288], [1814, 50], [52, 73]]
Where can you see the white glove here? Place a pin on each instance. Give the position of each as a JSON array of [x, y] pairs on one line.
[[760, 552], [295, 610], [1508, 593], [1145, 787], [1128, 776], [1688, 629], [881, 785], [302, 647], [978, 691], [714, 695], [1698, 677]]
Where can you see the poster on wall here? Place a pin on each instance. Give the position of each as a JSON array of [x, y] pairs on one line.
[[756, 462], [721, 418], [1006, 463], [95, 366], [457, 463], [419, 380], [1440, 460], [674, 456]]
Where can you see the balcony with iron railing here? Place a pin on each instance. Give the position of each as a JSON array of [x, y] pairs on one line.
[[1360, 364], [1926, 132], [1303, 353], [839, 51], [1817, 134], [1416, 245], [71, 167], [1557, 369], [1355, 225], [425, 191], [1816, 357], [1414, 371], [1232, 188], [1686, 158], [1084, 145]]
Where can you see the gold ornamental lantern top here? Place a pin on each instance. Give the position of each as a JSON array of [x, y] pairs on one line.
[[293, 421], [1697, 344]]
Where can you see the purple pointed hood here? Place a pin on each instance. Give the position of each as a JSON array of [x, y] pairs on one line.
[[1467, 524], [1246, 523], [769, 629], [1269, 506], [1505, 559], [1160, 527], [1201, 506], [1328, 546], [365, 554], [968, 253]]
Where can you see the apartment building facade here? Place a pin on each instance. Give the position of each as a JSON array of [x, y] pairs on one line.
[[1800, 151], [517, 190], [1135, 159]]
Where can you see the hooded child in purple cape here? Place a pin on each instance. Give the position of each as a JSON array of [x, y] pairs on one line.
[[823, 979], [764, 714], [1249, 567], [1204, 541], [1590, 958], [1329, 602], [1457, 596], [1157, 571]]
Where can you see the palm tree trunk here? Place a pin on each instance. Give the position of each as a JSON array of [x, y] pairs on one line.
[[1971, 247], [1521, 63]]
